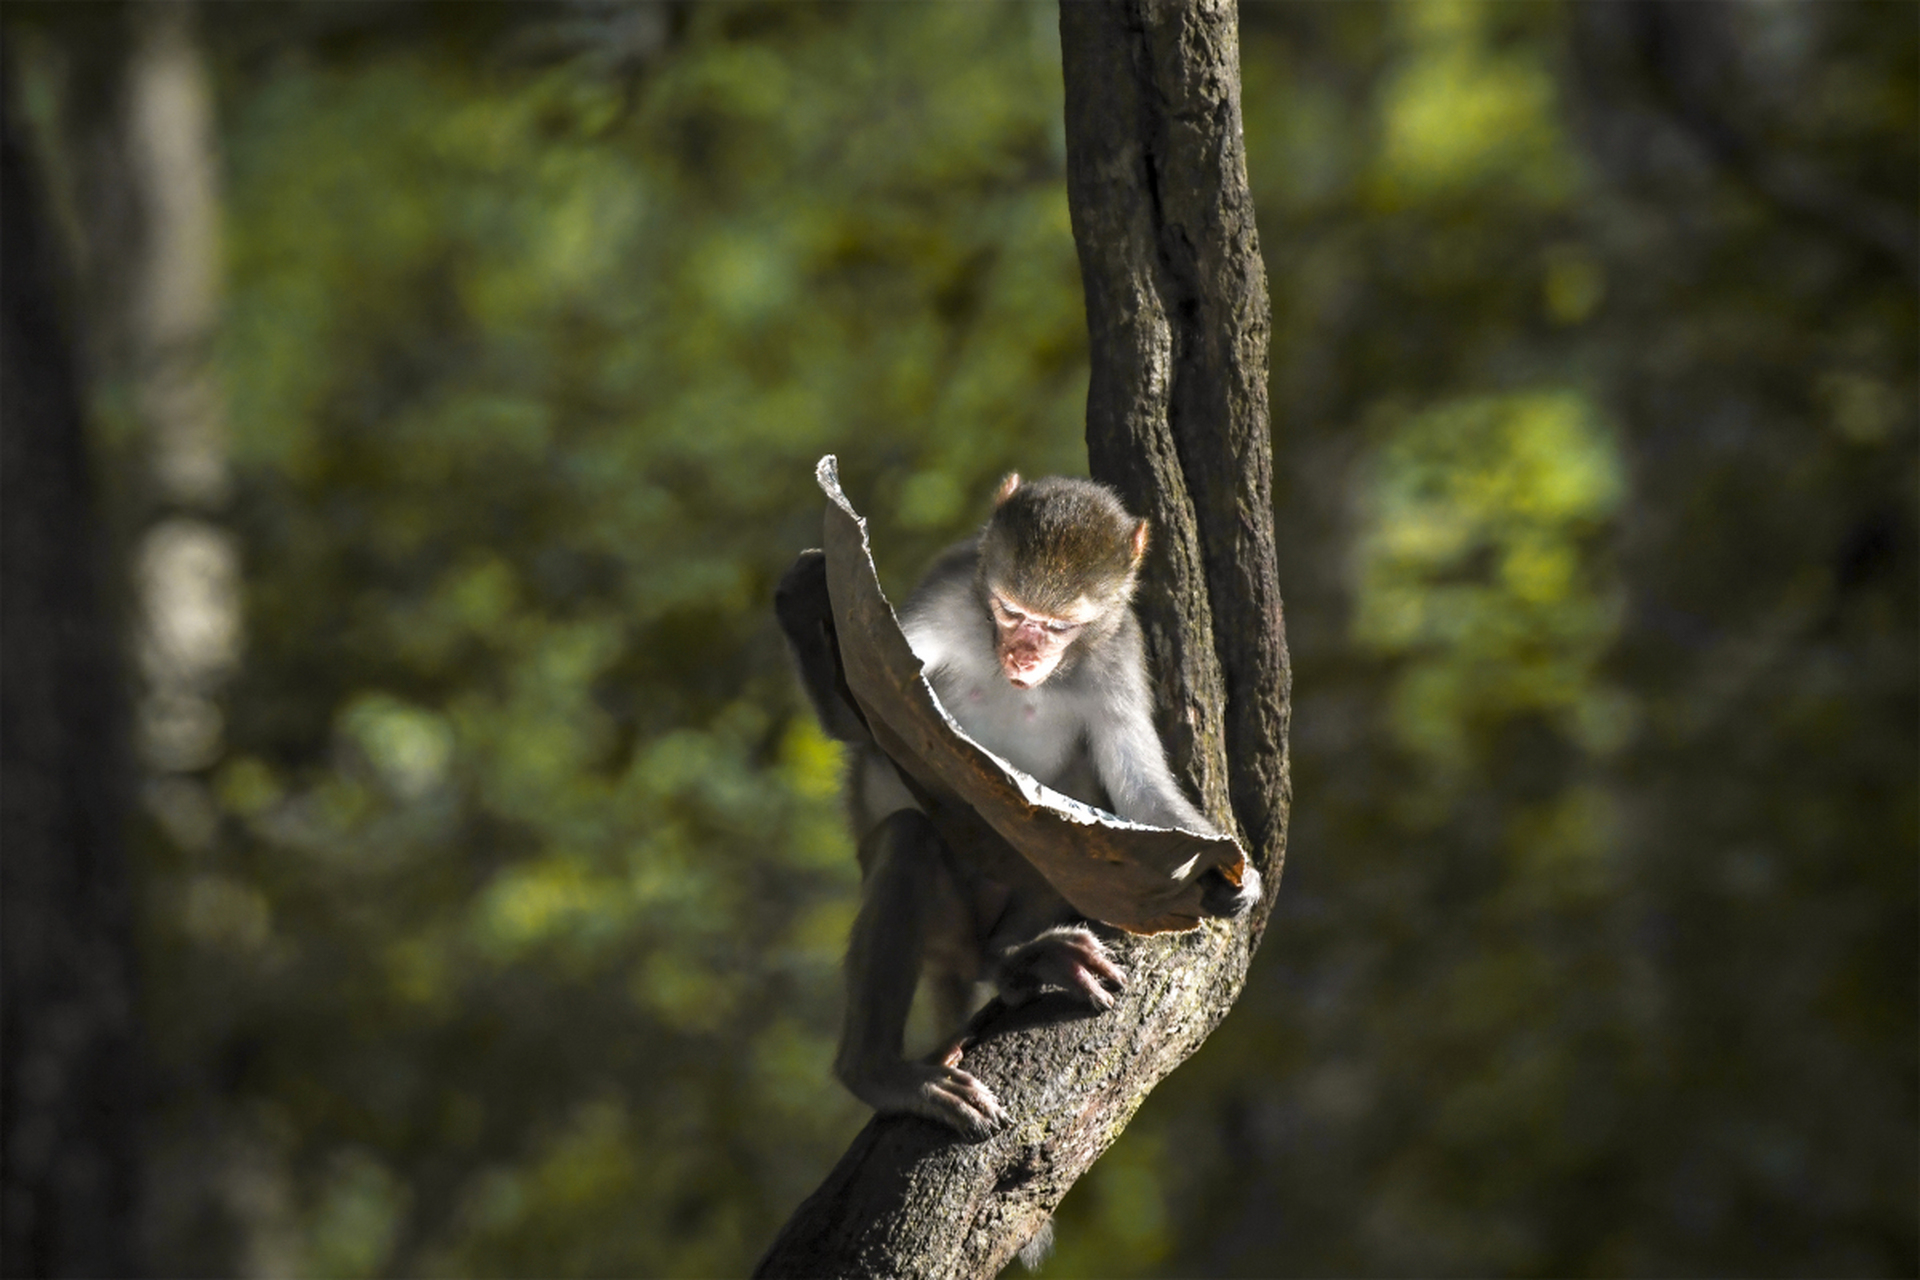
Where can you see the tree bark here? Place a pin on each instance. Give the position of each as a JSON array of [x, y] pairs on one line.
[[68, 1082], [1177, 421]]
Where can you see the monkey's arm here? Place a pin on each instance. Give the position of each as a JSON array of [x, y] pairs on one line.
[[1126, 751], [806, 615], [941, 619], [1132, 765]]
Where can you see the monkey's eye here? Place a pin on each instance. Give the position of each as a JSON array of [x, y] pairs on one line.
[[1061, 628]]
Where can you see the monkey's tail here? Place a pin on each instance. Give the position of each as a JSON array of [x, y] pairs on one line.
[[1038, 1247]]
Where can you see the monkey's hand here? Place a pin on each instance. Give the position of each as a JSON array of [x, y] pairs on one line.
[[931, 1089], [1219, 897], [1066, 958]]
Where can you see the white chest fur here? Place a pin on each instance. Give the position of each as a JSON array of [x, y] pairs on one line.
[[1036, 730], [1040, 731]]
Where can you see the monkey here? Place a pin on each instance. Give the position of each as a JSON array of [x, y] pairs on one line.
[[1027, 635]]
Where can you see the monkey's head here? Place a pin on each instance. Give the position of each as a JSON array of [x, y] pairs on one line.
[[1057, 566]]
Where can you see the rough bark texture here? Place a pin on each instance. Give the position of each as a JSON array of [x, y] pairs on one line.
[[1177, 421], [1178, 322], [68, 1096]]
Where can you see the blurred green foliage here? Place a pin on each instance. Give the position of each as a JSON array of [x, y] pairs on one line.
[[506, 941], [1596, 950], [526, 918]]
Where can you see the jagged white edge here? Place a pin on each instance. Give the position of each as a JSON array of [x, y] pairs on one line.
[[827, 474]]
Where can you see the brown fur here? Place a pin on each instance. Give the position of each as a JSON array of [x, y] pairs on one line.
[[1056, 541]]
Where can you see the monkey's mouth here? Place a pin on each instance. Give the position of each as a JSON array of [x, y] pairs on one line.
[[1026, 663], [1028, 675]]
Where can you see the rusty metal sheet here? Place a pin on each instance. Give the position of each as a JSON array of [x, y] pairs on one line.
[[1139, 878]]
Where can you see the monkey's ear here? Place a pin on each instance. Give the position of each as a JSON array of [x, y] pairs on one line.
[[1006, 488], [1139, 542]]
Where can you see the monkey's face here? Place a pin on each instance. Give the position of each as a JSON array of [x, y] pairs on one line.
[[1029, 643]]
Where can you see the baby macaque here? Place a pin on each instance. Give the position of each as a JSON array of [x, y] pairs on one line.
[[1028, 638]]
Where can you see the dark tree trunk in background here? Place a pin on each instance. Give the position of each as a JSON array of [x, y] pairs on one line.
[[69, 1098], [1768, 554], [1177, 420]]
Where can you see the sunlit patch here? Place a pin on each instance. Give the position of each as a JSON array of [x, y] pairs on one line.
[[409, 747], [1461, 111], [810, 760], [555, 900], [1479, 568], [187, 573]]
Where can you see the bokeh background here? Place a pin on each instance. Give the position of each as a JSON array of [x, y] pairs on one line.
[[455, 376]]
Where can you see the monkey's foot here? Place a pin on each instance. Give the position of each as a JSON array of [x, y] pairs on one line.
[[1067, 958], [935, 1090]]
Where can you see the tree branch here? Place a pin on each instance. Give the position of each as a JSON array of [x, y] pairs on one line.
[[1177, 420]]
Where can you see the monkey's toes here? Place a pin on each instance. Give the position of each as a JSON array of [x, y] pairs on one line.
[[1096, 963], [1070, 959], [1091, 991], [1086, 958]]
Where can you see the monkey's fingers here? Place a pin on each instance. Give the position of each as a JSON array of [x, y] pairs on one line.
[[930, 1089], [960, 1100], [1219, 897]]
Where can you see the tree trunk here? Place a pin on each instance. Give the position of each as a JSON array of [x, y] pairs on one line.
[[1177, 421], [69, 1100]]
